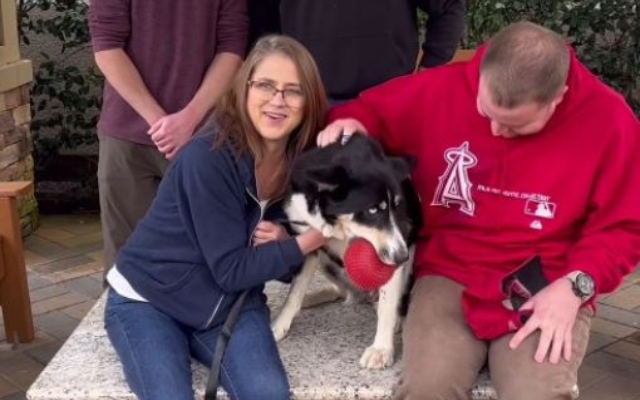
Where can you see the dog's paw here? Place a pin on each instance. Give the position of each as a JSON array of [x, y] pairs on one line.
[[280, 331], [377, 357]]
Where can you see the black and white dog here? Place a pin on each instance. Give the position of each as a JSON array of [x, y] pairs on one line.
[[346, 191]]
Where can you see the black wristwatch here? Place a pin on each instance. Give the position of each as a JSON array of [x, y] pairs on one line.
[[582, 285]]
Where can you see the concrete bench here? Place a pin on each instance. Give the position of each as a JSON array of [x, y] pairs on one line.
[[321, 355], [14, 289]]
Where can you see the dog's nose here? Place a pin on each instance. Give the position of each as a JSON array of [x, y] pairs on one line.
[[396, 257], [399, 260], [401, 256]]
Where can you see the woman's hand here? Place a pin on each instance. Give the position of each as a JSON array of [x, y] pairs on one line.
[[268, 232], [310, 240]]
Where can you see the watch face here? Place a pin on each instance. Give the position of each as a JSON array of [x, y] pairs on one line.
[[585, 285]]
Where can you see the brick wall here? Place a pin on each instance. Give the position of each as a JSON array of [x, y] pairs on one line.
[[16, 161]]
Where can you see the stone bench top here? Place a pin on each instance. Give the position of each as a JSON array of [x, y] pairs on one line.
[[320, 354]]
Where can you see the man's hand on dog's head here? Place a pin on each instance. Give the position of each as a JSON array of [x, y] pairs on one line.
[[338, 130]]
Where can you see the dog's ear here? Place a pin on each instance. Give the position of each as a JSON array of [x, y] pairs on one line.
[[402, 166], [327, 177], [323, 174]]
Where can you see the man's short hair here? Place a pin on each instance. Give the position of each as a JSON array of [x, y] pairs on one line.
[[525, 63]]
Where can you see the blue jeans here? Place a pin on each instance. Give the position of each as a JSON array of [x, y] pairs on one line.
[[156, 350]]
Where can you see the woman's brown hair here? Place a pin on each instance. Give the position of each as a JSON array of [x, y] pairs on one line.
[[234, 125]]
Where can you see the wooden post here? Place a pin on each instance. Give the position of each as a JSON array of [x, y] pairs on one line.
[[14, 288], [16, 161]]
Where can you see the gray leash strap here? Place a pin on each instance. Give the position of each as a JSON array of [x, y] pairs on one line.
[[211, 392]]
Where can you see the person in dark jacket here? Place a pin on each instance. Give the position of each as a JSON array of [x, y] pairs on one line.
[[213, 232], [361, 43]]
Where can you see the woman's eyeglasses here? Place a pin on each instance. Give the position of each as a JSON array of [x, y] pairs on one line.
[[292, 97]]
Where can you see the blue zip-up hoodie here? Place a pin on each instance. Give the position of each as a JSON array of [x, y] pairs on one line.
[[191, 255]]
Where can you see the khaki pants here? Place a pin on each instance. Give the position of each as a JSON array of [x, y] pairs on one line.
[[128, 179], [442, 357]]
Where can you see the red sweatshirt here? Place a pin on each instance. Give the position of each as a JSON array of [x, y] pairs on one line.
[[570, 193]]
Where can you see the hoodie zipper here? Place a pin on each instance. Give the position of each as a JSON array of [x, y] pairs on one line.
[[215, 311], [263, 209]]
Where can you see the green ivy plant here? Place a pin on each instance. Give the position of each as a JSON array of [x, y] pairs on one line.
[[605, 33], [65, 99]]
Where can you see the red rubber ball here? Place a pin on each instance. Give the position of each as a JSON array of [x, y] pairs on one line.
[[363, 266]]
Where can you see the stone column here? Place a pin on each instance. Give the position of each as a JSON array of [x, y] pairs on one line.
[[16, 161]]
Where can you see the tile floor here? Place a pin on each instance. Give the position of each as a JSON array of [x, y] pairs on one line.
[[65, 276], [64, 266]]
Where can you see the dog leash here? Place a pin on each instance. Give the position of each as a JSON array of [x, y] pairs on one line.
[[211, 392]]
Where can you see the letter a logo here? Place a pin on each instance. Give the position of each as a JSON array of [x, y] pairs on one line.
[[454, 186]]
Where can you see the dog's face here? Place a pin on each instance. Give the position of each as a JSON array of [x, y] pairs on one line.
[[355, 190]]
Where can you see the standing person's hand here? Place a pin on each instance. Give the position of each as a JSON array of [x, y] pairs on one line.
[[553, 311], [337, 129], [171, 132], [267, 232]]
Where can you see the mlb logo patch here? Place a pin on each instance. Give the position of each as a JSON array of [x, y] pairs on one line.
[[540, 209]]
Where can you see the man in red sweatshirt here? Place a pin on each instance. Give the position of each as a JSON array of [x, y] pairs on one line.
[[531, 202]]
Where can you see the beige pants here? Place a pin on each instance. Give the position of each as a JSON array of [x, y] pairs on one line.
[[128, 178], [442, 357]]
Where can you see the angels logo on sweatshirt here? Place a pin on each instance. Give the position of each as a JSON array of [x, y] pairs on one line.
[[455, 186]]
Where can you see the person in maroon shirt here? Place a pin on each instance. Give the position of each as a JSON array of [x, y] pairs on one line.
[[166, 64]]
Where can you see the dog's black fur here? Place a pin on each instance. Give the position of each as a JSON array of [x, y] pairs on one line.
[[355, 190], [349, 179]]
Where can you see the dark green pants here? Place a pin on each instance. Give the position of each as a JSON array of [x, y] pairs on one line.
[[128, 179]]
